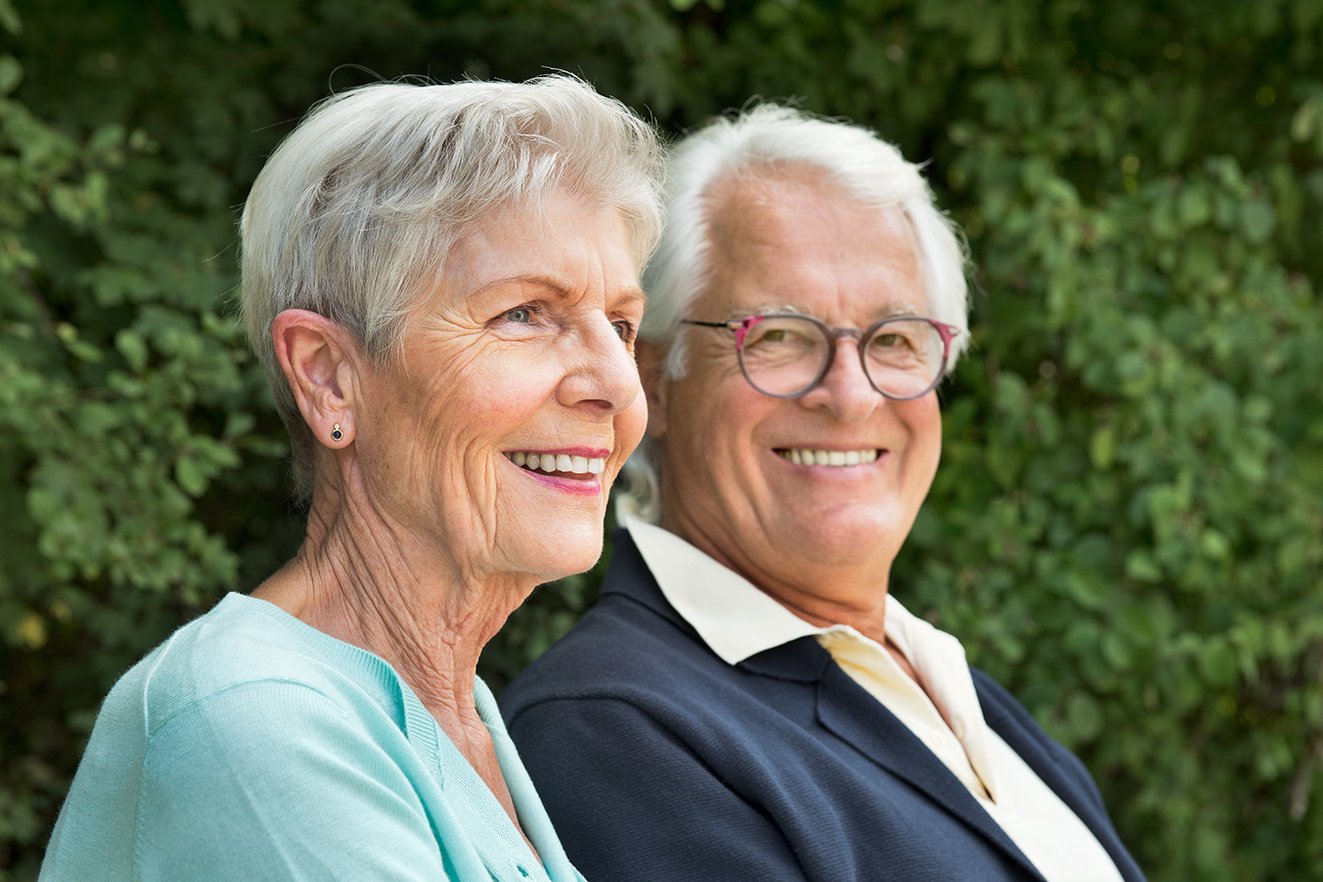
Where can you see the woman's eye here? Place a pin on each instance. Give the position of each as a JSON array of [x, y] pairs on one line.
[[625, 330], [520, 315], [526, 314]]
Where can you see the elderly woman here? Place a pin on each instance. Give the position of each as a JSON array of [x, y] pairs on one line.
[[442, 282], [748, 658]]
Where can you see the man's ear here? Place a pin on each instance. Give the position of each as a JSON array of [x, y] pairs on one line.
[[651, 358], [320, 361]]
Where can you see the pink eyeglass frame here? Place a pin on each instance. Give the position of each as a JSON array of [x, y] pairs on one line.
[[741, 327]]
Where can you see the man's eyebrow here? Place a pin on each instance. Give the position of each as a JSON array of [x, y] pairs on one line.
[[767, 309], [890, 310], [903, 307]]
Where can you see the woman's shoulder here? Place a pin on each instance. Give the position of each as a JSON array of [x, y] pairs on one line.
[[241, 644]]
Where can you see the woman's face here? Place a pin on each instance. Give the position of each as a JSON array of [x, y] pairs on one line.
[[496, 436]]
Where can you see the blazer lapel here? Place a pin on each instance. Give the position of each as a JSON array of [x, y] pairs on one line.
[[846, 710], [854, 716], [1065, 783]]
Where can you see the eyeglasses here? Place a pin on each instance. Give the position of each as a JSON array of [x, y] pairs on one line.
[[786, 355]]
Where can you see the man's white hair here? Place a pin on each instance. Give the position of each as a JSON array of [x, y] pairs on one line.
[[353, 216], [764, 143]]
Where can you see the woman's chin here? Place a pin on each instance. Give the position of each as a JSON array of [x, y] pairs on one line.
[[562, 552]]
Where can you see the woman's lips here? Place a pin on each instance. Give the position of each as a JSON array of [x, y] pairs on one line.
[[567, 464], [575, 471]]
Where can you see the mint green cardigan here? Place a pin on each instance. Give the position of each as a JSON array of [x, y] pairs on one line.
[[252, 746]]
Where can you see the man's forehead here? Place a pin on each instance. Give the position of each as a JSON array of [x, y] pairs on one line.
[[780, 242], [773, 184], [768, 208]]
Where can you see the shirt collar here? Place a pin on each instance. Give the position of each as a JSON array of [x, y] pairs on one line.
[[738, 620], [734, 617]]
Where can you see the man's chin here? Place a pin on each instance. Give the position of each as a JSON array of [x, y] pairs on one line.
[[850, 536]]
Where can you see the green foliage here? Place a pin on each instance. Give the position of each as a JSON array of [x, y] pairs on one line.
[[1125, 527]]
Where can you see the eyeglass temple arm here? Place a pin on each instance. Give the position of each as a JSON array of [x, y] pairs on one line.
[[739, 326], [948, 332]]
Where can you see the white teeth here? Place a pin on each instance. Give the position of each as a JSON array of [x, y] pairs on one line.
[[558, 462], [832, 458]]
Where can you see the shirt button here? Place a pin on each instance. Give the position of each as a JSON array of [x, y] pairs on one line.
[[523, 871]]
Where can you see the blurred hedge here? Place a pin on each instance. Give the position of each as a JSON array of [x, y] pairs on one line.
[[1127, 527]]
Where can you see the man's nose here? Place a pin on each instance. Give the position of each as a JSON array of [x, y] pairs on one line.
[[845, 391]]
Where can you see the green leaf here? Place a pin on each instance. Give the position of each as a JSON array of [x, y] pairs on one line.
[[134, 349], [1217, 664], [9, 19], [1084, 717], [190, 476], [11, 72], [1139, 565], [1102, 446], [1257, 221]]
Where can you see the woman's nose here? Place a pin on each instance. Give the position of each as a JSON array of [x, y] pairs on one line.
[[601, 371]]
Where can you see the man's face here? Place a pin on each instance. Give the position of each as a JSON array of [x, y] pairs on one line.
[[820, 538]]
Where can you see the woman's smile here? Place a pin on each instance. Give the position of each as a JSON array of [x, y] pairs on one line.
[[573, 470]]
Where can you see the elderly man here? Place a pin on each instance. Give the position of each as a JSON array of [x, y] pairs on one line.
[[747, 701]]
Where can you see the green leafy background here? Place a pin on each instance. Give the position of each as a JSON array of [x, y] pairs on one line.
[[1127, 528]]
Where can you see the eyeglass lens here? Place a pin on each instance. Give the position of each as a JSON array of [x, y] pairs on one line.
[[787, 355]]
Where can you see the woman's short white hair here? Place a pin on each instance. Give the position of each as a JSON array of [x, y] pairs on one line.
[[353, 216], [766, 142]]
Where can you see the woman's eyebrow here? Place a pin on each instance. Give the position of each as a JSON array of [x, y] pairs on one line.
[[558, 286], [632, 296]]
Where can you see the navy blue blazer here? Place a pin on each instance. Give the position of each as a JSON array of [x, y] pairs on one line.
[[658, 761]]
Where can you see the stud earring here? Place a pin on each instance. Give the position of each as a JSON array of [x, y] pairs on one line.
[[336, 434]]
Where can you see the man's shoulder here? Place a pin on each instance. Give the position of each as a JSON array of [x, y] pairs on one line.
[[621, 649]]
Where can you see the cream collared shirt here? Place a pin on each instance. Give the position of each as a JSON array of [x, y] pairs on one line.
[[737, 620]]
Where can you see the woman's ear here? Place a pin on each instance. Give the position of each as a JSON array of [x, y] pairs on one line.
[[651, 358], [320, 362]]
